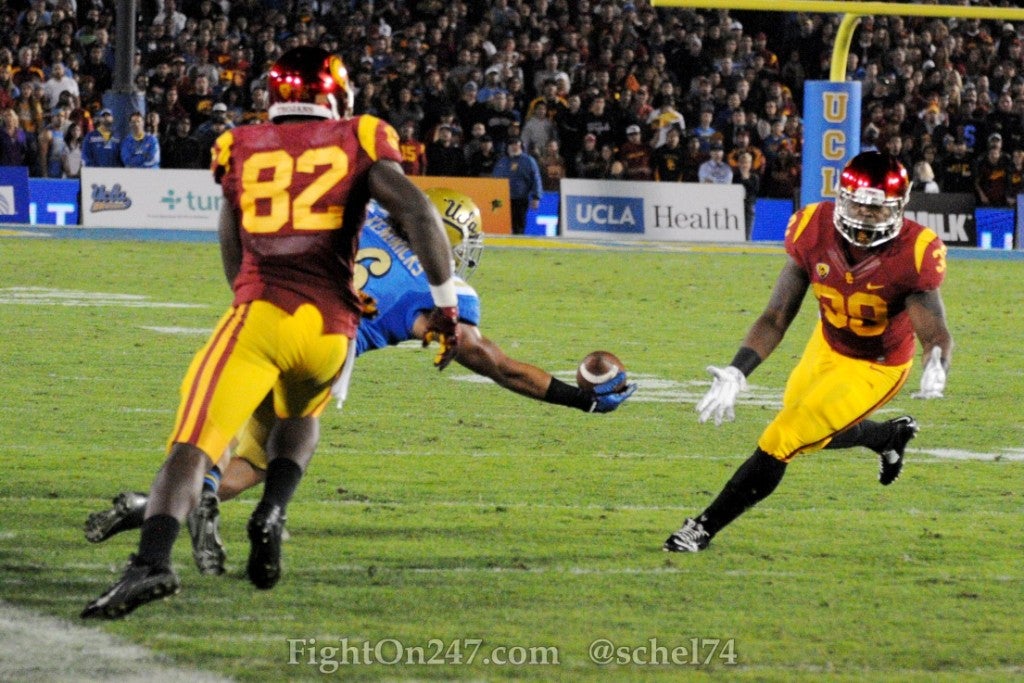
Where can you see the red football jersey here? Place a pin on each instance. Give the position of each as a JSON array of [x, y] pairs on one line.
[[863, 306], [300, 192]]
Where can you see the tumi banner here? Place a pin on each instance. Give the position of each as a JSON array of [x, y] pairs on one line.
[[162, 199], [950, 215], [684, 212]]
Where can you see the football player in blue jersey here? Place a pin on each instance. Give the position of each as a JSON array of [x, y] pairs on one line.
[[397, 302]]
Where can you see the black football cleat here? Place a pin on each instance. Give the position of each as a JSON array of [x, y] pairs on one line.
[[265, 528], [203, 526], [691, 538], [890, 460], [140, 583], [127, 513]]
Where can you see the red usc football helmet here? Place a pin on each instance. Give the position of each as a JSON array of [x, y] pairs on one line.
[[309, 81], [873, 192]]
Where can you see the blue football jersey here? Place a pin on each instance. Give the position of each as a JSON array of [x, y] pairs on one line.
[[387, 269]]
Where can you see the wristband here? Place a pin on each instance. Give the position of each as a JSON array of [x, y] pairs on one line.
[[564, 394], [746, 360], [444, 295]]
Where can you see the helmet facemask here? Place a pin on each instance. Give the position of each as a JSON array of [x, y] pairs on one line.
[[872, 193]]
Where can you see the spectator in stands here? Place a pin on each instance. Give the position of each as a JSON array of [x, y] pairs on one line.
[[139, 149], [924, 178], [58, 82], [704, 130], [484, 159], [693, 156], [101, 147], [668, 158], [991, 175], [957, 169], [552, 166], [9, 92], [96, 66], [588, 162], [538, 130], [178, 148], [208, 131], [569, 129], [663, 118], [635, 155], [17, 146], [523, 175], [443, 157], [1016, 175], [746, 176], [52, 145], [599, 122], [199, 102], [414, 152], [715, 170], [71, 159], [741, 145], [782, 174]]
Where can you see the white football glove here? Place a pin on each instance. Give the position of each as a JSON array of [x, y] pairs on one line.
[[721, 397], [933, 380]]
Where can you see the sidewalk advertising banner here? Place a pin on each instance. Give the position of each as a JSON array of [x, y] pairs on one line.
[[13, 194], [675, 212], [950, 215], [144, 198], [490, 194]]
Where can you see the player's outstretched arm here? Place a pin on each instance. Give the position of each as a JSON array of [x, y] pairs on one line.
[[230, 243], [484, 357], [762, 338]]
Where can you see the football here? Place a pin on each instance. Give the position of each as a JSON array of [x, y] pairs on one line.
[[597, 368]]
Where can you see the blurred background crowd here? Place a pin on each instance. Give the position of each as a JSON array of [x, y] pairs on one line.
[[588, 89]]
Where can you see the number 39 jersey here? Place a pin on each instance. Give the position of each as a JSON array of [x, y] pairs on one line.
[[300, 191], [863, 306], [388, 270]]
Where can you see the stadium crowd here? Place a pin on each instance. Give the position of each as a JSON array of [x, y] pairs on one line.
[[591, 89]]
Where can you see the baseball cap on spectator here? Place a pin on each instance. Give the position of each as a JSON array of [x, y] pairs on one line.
[[589, 137], [634, 129], [470, 86], [629, 7], [716, 145], [486, 138], [106, 112], [220, 108], [994, 138]]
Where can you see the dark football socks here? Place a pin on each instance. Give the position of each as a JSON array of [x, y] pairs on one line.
[[158, 535], [283, 476], [752, 483], [867, 433]]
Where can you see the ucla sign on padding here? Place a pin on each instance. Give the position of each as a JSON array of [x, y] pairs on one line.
[[136, 198], [684, 212]]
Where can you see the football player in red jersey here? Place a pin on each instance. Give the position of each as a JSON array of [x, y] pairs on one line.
[[876, 277], [295, 196]]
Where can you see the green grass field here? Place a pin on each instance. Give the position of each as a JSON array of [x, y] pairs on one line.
[[440, 510]]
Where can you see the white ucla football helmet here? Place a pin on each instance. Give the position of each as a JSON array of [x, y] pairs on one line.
[[463, 222]]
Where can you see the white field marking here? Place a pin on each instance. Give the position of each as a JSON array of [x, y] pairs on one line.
[[47, 296], [940, 454], [41, 648], [190, 331]]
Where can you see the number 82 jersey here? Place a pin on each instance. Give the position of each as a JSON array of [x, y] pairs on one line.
[[299, 191]]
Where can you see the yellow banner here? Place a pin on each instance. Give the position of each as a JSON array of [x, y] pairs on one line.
[[490, 194]]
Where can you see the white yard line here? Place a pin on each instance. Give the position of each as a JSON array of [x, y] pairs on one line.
[[39, 648]]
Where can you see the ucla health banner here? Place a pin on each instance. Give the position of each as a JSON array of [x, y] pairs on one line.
[[831, 136], [13, 194], [149, 198], [618, 209]]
